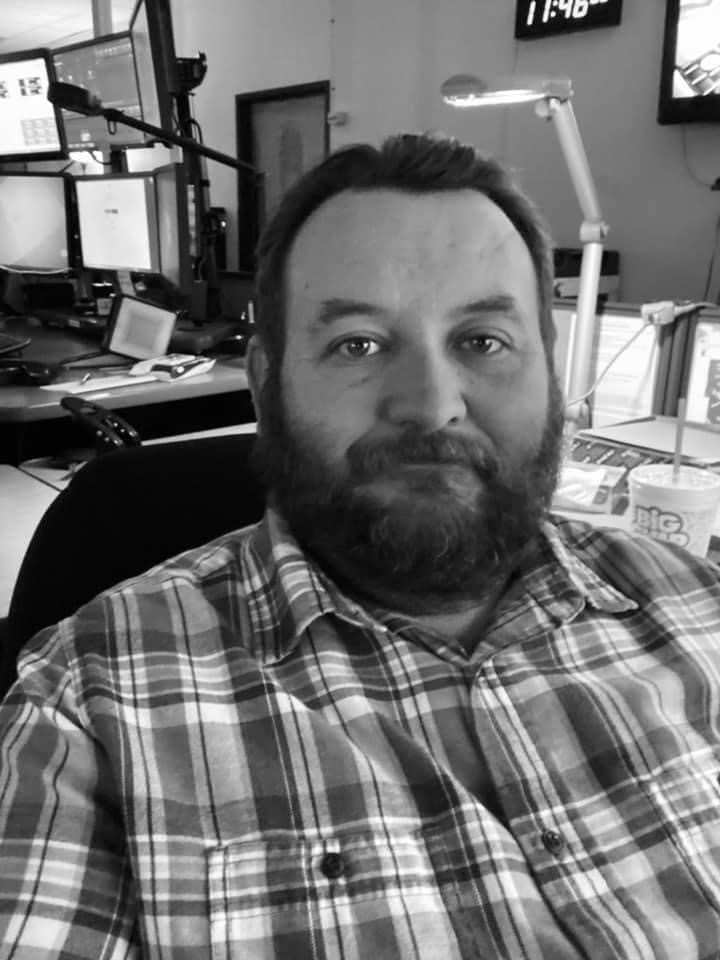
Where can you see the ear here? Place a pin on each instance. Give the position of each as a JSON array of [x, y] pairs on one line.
[[257, 369]]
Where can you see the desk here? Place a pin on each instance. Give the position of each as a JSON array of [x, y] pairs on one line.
[[23, 501], [32, 422]]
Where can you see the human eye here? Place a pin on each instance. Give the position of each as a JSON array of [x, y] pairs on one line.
[[484, 344], [356, 347]]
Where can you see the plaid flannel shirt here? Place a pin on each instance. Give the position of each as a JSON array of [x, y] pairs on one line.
[[227, 758]]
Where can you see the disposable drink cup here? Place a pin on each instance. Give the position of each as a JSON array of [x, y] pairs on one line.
[[676, 508]]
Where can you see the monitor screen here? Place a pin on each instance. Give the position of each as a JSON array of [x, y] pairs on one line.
[[702, 377], [171, 191], [155, 61], [26, 201], [630, 387], [105, 67], [118, 222], [30, 126], [690, 72]]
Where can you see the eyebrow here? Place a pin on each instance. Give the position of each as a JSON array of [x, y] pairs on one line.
[[494, 303], [335, 308]]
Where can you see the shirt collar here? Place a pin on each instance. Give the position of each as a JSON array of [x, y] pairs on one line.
[[287, 591]]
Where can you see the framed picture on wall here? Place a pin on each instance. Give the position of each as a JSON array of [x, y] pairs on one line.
[[282, 132]]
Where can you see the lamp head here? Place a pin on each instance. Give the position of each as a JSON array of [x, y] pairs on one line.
[[465, 90]]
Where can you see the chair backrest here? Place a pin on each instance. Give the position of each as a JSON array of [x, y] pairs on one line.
[[122, 513]]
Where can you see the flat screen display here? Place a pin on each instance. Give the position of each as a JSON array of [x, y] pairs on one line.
[[26, 201], [690, 73], [30, 126], [118, 222], [171, 192], [105, 66], [702, 389], [154, 50]]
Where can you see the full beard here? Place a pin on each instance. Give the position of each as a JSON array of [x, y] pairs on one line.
[[422, 522]]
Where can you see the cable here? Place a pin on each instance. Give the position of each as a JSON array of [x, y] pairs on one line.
[[656, 314], [601, 375]]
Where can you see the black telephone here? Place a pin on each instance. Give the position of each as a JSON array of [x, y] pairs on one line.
[[110, 430]]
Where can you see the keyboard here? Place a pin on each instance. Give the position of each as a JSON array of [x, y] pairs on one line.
[[10, 343]]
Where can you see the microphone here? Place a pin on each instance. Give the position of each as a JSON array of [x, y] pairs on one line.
[[77, 99]]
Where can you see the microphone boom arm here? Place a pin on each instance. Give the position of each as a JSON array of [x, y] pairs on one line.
[[165, 136]]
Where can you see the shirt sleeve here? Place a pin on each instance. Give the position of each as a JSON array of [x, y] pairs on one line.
[[65, 882]]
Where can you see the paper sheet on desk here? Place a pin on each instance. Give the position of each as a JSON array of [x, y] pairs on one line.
[[100, 384]]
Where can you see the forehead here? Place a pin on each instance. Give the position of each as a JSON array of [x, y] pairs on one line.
[[387, 236]]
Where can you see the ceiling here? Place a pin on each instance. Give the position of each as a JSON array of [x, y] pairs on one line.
[[51, 23]]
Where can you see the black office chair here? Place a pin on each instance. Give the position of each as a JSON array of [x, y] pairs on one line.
[[122, 513]]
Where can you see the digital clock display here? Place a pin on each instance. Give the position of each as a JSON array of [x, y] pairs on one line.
[[543, 18]]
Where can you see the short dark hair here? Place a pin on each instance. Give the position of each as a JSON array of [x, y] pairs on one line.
[[412, 163]]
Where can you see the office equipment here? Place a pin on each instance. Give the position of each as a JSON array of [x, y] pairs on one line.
[[23, 372], [690, 68], [157, 66], [118, 222], [568, 261], [700, 378], [10, 344], [636, 384], [38, 225], [105, 66], [30, 126], [552, 101], [174, 366], [176, 241], [110, 431], [136, 329]]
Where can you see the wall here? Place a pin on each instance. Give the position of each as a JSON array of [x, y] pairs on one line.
[[250, 45], [390, 57]]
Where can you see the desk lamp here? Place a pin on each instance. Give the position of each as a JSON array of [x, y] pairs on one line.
[[552, 102]]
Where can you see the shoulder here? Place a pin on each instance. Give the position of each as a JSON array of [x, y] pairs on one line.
[[186, 605], [638, 566]]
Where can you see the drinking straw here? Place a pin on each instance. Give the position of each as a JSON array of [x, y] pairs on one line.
[[679, 428]]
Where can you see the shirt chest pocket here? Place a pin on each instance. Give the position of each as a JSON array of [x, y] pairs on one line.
[[370, 896]]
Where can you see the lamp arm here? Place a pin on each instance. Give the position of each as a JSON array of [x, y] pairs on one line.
[[593, 231]]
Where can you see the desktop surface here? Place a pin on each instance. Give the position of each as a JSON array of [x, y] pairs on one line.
[[23, 403]]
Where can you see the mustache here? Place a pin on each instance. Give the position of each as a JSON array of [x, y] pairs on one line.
[[368, 458]]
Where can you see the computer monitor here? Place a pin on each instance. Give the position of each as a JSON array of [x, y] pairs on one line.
[[117, 214], [156, 64], [30, 126], [105, 66], [171, 192], [38, 229], [690, 71], [635, 383], [700, 384]]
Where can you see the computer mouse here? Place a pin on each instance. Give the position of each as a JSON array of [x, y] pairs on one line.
[[16, 371]]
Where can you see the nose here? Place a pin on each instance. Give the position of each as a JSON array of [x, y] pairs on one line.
[[424, 389]]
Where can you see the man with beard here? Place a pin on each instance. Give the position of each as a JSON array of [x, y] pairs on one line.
[[409, 715]]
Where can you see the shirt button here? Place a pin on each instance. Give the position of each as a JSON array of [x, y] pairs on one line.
[[553, 841], [332, 865]]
